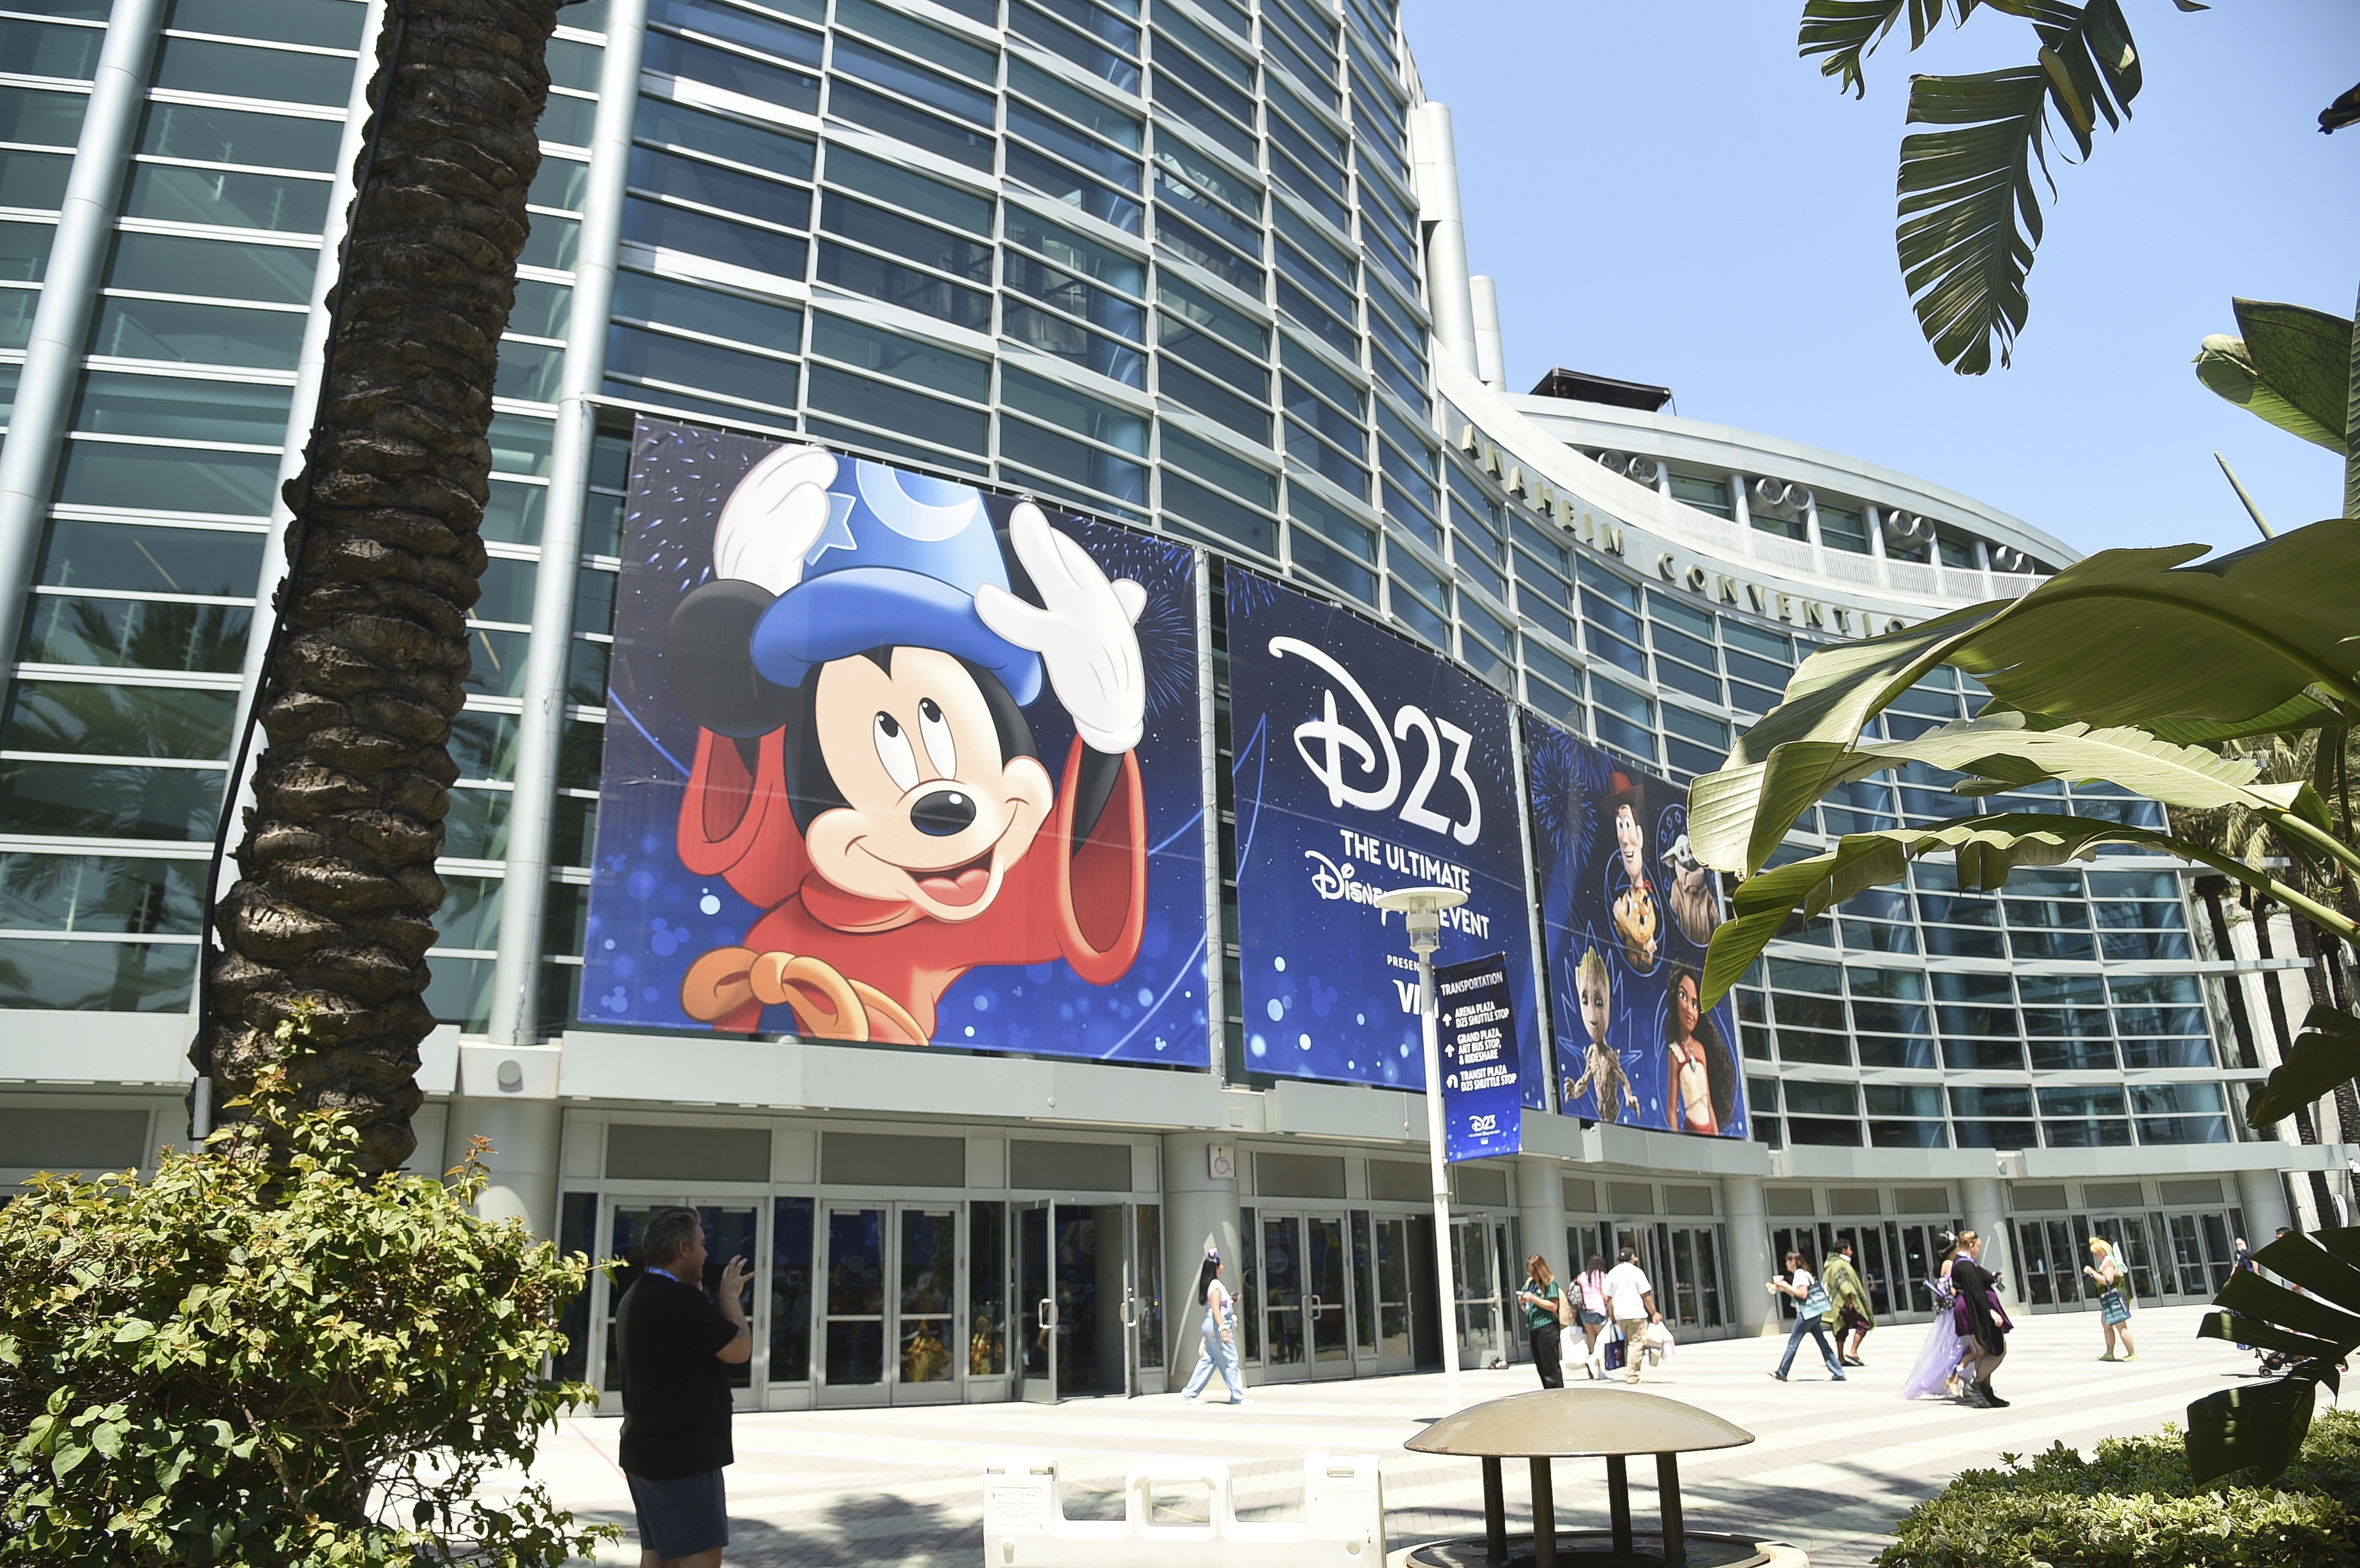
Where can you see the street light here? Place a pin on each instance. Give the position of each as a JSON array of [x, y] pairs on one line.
[[1421, 910]]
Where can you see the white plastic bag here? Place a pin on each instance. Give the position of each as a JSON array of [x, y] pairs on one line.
[[1661, 1346]]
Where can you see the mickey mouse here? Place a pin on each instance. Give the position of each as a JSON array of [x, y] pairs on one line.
[[865, 772]]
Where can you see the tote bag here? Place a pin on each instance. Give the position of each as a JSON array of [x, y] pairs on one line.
[[2114, 1308], [1818, 1305]]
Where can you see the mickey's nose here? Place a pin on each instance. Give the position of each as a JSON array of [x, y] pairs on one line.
[[942, 812]]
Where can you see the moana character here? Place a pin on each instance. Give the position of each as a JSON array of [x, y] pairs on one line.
[[1701, 1094]]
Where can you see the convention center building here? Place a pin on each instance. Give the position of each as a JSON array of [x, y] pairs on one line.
[[1019, 506]]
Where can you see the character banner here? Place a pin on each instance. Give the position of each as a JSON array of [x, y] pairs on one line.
[[892, 759], [1362, 764], [1626, 911], [1475, 1025]]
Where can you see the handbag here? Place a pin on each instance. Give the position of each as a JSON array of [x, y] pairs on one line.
[[1818, 1303], [2113, 1308]]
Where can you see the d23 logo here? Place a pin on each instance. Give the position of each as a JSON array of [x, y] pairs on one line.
[[1323, 742], [1482, 1125]]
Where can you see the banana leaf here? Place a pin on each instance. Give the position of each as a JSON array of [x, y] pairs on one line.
[[1988, 849], [2261, 1429], [1738, 816], [2325, 1054], [2195, 651], [2292, 368]]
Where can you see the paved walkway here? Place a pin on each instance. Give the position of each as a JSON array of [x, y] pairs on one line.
[[1833, 1467]]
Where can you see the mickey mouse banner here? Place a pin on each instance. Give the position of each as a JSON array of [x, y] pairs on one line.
[[894, 760]]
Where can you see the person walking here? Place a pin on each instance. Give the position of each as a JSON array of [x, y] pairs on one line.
[[1589, 1312], [2114, 1285], [1938, 1359], [1812, 1306], [1987, 1326], [1542, 1302], [1850, 1314], [1220, 1346], [1630, 1300], [675, 1348]]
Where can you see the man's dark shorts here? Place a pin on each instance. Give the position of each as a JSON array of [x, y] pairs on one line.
[[683, 1517]]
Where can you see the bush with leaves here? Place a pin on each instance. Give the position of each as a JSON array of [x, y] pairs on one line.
[[263, 1354], [2135, 1505]]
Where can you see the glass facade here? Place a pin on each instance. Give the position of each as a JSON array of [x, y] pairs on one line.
[[1160, 260]]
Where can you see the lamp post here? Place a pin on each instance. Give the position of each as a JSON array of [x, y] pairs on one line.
[[1421, 910]]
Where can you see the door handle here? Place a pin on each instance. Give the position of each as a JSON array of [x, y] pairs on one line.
[[1128, 1313], [1047, 1313], [1312, 1306]]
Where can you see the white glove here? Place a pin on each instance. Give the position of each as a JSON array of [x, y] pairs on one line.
[[1082, 632], [773, 517]]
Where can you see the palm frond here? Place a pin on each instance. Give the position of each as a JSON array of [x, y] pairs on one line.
[[1848, 31], [1970, 212]]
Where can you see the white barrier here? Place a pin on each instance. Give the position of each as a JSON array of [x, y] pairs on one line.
[[1024, 1522]]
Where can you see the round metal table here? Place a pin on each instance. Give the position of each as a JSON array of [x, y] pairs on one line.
[[1584, 1422]]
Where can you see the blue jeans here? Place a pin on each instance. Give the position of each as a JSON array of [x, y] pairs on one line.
[[1219, 1355], [1805, 1324]]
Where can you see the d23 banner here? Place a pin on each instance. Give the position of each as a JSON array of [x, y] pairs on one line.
[[1475, 1030], [1362, 764], [892, 759], [1626, 911]]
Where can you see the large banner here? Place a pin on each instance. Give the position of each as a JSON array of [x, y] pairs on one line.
[[891, 759], [1362, 764], [1475, 1035], [1626, 911]]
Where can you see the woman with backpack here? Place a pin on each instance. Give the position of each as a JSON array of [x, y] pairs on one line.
[[1588, 1296]]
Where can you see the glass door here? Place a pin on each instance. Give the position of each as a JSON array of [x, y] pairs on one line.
[[852, 1369], [1695, 1256], [2067, 1258], [2127, 1233], [2032, 1262], [1392, 1273], [732, 1229], [1034, 1311], [1472, 1248], [926, 1329], [1327, 1303], [1281, 1299]]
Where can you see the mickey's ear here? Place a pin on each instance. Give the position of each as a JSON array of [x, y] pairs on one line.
[[708, 661]]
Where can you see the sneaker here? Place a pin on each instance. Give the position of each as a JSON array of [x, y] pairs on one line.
[[2110, 1355], [1192, 1398], [1633, 1379]]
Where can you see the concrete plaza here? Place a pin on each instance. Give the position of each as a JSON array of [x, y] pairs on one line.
[[1833, 1468]]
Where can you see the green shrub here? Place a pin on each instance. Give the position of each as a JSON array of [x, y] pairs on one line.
[[263, 1356], [2135, 1505]]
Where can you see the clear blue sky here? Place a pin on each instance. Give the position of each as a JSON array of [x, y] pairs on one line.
[[1666, 192]]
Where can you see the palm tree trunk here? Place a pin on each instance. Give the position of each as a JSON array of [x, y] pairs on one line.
[[333, 912], [2232, 986], [2306, 1129]]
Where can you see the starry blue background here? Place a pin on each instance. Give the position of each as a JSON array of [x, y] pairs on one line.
[[1320, 995], [650, 919], [1580, 877]]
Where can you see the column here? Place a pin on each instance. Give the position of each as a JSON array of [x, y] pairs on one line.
[[525, 1135], [1200, 1212], [1436, 157], [516, 981], [1741, 507], [53, 352], [1985, 1218], [2263, 1196], [1491, 351], [1540, 1202], [1749, 1257]]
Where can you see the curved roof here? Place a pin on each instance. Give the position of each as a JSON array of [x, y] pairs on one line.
[[1575, 1421]]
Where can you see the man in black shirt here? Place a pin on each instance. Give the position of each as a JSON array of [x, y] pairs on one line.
[[675, 1347]]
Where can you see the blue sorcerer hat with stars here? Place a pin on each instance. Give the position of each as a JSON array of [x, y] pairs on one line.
[[898, 565]]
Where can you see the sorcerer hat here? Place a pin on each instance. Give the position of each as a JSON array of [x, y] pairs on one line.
[[897, 565]]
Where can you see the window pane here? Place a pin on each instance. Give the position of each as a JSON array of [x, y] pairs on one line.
[[894, 409], [86, 801], [168, 479], [905, 191], [171, 263], [699, 365], [905, 286], [661, 227], [204, 334], [743, 195], [100, 893], [232, 70], [140, 634], [44, 119], [97, 976], [234, 135], [676, 123], [135, 558], [734, 26], [891, 117], [39, 49], [327, 24], [110, 403], [908, 359], [730, 71]]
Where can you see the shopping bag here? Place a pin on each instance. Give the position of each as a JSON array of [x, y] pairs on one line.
[[1818, 1305], [1613, 1352], [2114, 1308], [1661, 1344]]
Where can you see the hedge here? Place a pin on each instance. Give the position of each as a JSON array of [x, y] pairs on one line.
[[2134, 1505]]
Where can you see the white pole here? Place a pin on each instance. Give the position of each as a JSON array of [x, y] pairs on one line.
[[1446, 1276]]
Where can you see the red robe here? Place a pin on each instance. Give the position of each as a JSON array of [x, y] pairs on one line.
[[1086, 904]]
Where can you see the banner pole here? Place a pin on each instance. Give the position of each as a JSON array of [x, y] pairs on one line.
[[1444, 1274]]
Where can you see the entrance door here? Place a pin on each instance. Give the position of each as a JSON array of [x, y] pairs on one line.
[[1283, 1357], [1327, 1301], [890, 1332], [1077, 1294], [2127, 1233], [1390, 1274], [1694, 1254], [1473, 1249], [732, 1229], [2032, 1260]]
